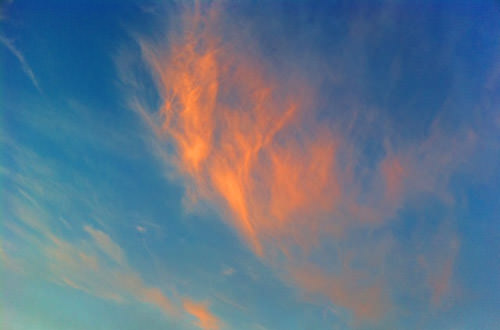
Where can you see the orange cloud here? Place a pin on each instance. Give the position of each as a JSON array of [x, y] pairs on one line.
[[247, 140], [156, 297], [206, 320], [438, 267], [240, 140], [347, 289], [394, 173]]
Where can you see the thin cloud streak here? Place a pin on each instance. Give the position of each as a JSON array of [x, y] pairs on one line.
[[80, 266], [105, 243], [20, 57], [90, 261]]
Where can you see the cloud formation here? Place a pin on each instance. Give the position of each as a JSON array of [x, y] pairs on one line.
[[341, 159], [239, 138], [248, 138], [105, 243], [90, 261], [80, 266], [206, 320], [20, 57]]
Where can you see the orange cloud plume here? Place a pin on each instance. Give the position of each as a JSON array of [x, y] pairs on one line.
[[206, 320], [245, 139], [240, 140]]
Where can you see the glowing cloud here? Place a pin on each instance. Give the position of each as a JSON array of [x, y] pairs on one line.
[[206, 320], [239, 139], [247, 139]]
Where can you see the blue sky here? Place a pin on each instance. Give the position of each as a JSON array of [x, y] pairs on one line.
[[249, 165]]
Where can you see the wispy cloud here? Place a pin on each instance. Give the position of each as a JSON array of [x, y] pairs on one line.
[[79, 265], [248, 139], [105, 243], [438, 268], [80, 256], [206, 320], [239, 139], [20, 57], [347, 290]]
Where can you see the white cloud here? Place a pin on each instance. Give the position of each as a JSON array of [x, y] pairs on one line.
[[106, 245], [20, 57]]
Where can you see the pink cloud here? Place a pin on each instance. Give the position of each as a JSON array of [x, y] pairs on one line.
[[206, 320], [366, 301]]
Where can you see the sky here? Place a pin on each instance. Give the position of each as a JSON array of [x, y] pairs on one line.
[[249, 164]]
